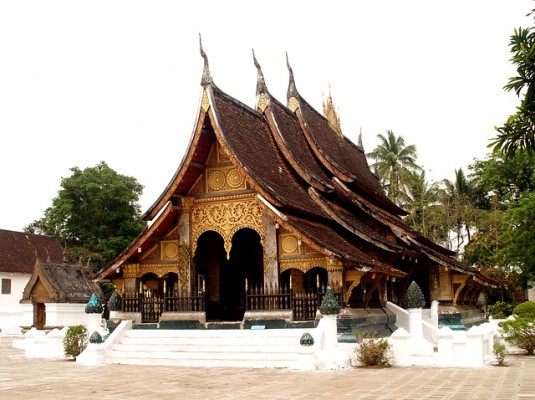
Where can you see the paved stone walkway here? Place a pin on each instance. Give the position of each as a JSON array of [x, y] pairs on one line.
[[22, 378]]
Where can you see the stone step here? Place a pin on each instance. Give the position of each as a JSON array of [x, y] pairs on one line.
[[213, 341], [202, 355], [216, 333], [190, 362], [224, 348], [204, 348]]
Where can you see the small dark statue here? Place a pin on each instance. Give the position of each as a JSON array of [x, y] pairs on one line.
[[114, 303]]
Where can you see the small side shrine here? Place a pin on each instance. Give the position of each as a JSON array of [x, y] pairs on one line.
[[56, 295]]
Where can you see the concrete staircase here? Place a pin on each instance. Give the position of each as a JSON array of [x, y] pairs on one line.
[[248, 348]]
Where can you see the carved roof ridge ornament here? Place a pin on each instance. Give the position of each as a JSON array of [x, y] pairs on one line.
[[262, 94], [360, 145], [206, 77], [292, 94]]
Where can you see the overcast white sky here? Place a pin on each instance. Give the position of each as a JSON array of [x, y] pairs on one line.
[[119, 81]]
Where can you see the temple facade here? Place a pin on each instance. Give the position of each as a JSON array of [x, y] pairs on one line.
[[269, 206]]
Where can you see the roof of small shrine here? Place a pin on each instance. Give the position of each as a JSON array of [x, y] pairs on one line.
[[64, 283]]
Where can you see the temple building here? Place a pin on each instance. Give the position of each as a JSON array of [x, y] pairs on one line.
[[268, 207]]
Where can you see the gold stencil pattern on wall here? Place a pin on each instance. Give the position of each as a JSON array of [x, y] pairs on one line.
[[170, 249], [226, 218], [302, 264], [224, 179], [289, 244]]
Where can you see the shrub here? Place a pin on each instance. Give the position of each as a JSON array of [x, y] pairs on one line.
[[525, 310], [372, 351], [500, 310], [75, 341], [499, 352], [520, 332]]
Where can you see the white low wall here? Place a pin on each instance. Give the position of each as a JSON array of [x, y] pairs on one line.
[[65, 314], [41, 344], [423, 344]]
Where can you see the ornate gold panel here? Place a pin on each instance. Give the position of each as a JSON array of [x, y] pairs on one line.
[[293, 104], [226, 216], [224, 179], [461, 281], [169, 250], [205, 103], [289, 244], [262, 102], [352, 277], [131, 270], [162, 269], [303, 264]]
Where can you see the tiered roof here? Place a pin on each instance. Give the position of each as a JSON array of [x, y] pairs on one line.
[[314, 181]]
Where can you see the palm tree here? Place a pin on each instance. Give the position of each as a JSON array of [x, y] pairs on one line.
[[458, 202], [394, 164], [426, 213]]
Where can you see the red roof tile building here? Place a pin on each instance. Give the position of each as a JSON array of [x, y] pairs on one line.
[[274, 197], [18, 254]]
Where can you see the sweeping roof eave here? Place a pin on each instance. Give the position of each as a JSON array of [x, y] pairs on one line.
[[327, 241], [348, 221]]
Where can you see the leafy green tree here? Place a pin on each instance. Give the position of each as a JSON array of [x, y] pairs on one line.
[[502, 246], [518, 132], [96, 214], [503, 180], [394, 163], [519, 236]]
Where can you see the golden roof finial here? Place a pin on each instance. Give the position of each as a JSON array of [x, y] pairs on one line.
[[331, 115]]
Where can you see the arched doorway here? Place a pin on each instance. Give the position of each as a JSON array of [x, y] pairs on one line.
[[245, 268], [209, 259], [315, 280], [150, 285]]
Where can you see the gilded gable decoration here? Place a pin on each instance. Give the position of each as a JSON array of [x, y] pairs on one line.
[[293, 104], [226, 216], [289, 244], [205, 103], [262, 102], [224, 179], [169, 250], [131, 270]]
